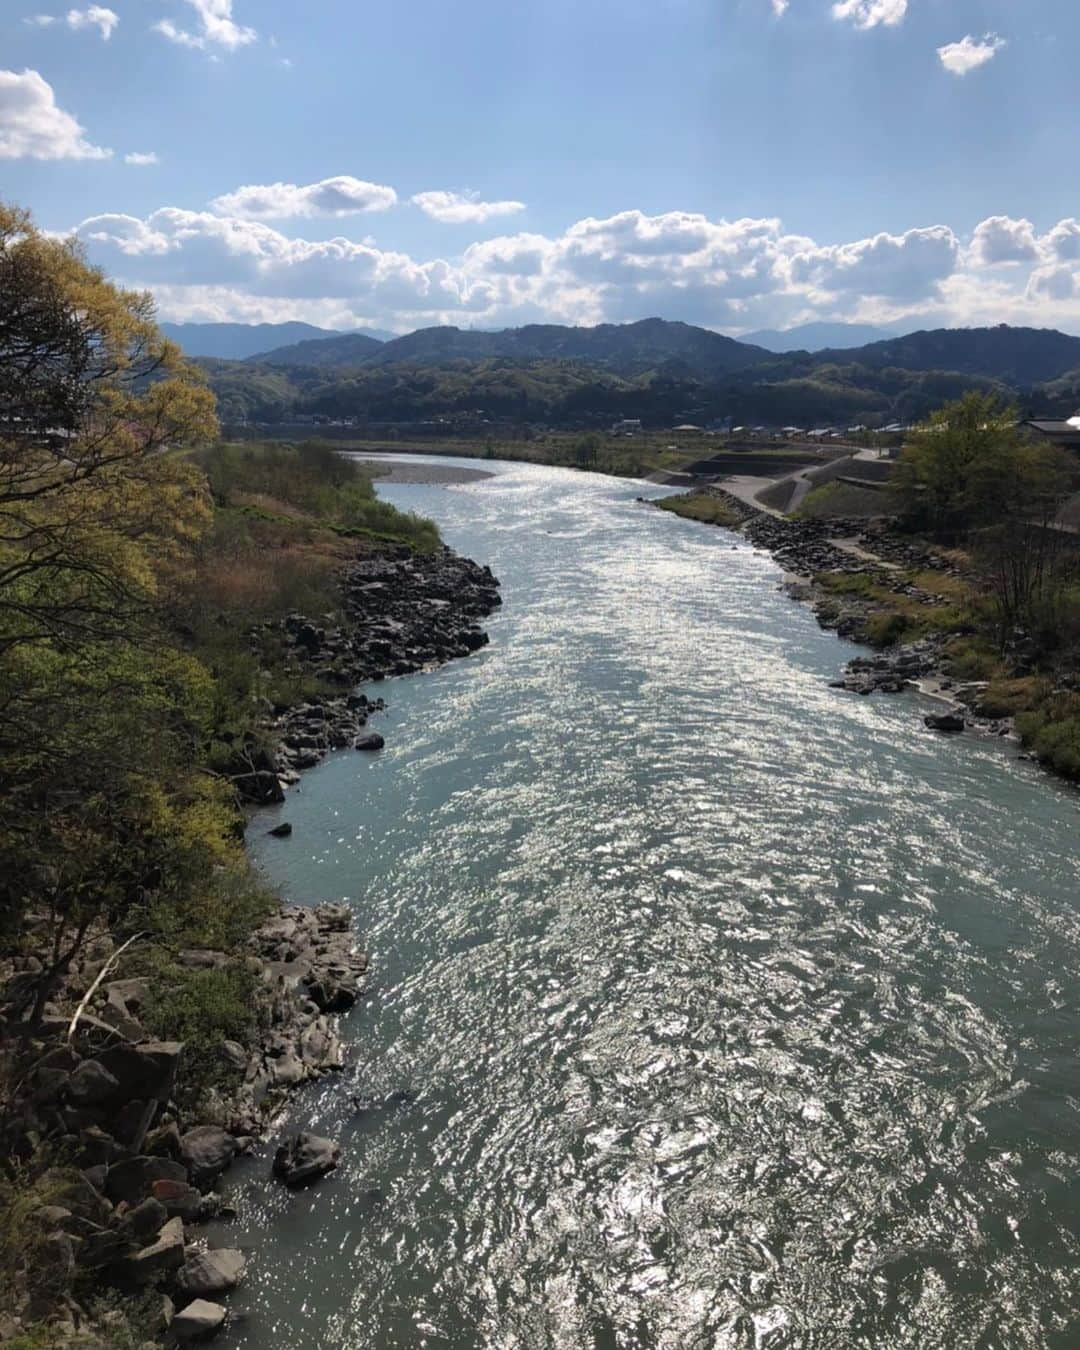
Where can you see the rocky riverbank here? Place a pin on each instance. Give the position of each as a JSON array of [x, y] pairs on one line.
[[872, 559], [131, 1161], [401, 612]]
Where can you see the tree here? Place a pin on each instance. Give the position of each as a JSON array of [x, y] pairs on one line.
[[933, 474], [100, 718], [91, 400]]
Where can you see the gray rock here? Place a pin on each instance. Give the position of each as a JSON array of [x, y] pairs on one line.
[[207, 1150], [305, 1159], [143, 1072], [179, 1198], [132, 1179], [166, 1254], [92, 1084], [147, 1219], [949, 721], [372, 741], [208, 1273], [198, 1320]]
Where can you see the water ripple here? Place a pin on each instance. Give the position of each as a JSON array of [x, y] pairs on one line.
[[735, 1012]]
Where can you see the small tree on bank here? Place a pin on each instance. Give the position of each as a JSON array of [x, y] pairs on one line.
[[970, 476]]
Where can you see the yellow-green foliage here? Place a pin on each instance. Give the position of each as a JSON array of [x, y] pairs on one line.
[[701, 506], [1052, 732]]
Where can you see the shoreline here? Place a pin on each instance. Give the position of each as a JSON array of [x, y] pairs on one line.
[[132, 1168], [804, 549]]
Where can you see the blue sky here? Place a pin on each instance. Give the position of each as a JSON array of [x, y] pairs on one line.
[[736, 163]]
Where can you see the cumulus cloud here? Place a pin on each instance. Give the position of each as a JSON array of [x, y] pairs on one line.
[[1000, 239], [97, 16], [780, 7], [726, 274], [217, 27], [456, 208], [342, 196], [959, 58], [870, 13], [141, 159], [33, 126]]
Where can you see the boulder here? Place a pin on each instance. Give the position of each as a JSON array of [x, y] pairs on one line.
[[143, 1071], [197, 1321], [166, 1254], [281, 831], [372, 741], [948, 721], [132, 1179], [208, 1273], [207, 1150], [92, 1083], [179, 1198], [147, 1219], [305, 1159]]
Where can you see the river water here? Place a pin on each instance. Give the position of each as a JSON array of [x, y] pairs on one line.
[[729, 1010]]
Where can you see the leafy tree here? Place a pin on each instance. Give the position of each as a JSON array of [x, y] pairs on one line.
[[91, 399], [100, 718]]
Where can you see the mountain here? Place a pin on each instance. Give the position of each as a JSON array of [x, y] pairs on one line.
[[627, 349], [341, 351], [1020, 357], [816, 337], [235, 341]]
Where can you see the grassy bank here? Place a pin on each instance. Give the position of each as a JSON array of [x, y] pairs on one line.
[[701, 506]]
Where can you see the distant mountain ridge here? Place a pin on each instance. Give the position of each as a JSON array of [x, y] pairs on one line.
[[237, 341], [627, 349], [1021, 357], [816, 337]]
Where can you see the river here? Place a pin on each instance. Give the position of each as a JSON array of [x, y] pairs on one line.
[[727, 1009]]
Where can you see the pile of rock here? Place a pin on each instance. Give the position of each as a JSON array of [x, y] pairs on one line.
[[893, 671], [141, 1175], [401, 612]]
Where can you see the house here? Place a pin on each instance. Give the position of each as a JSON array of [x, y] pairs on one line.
[[629, 426], [1063, 433]]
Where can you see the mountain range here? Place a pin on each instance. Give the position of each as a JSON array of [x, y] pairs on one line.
[[661, 371]]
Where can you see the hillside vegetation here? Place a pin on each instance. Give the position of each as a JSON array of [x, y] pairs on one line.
[[136, 557], [662, 373]]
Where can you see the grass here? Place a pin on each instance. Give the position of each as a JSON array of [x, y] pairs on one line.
[[701, 506], [895, 617], [841, 499]]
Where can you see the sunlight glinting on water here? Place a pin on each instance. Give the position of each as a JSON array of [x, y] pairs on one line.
[[730, 1010]]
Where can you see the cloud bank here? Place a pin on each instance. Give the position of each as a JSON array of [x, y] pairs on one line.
[[731, 275]]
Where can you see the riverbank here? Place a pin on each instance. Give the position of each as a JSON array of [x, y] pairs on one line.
[[872, 585], [143, 1052]]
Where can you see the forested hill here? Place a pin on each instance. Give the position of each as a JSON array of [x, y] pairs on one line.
[[1021, 357], [626, 349]]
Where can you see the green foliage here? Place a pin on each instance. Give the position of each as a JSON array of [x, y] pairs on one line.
[[1052, 732], [202, 1008], [701, 506]]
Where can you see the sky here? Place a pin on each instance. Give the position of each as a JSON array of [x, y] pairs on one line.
[[737, 164]]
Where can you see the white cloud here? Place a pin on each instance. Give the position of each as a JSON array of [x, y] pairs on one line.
[[342, 196], [1000, 239], [725, 274], [870, 13], [32, 126], [455, 208], [217, 27], [97, 16], [40, 20], [140, 159], [959, 58], [780, 7]]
